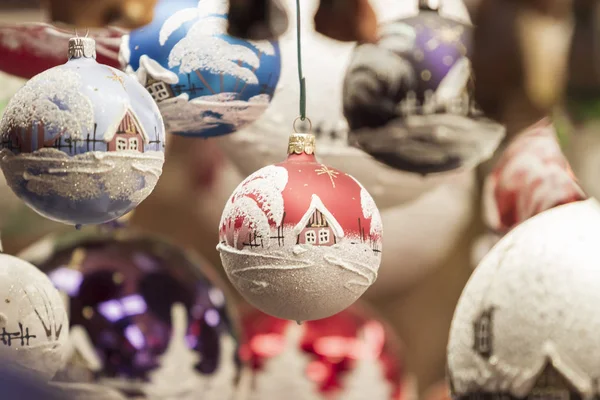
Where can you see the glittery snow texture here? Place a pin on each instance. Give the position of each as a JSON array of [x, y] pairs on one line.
[[123, 178], [32, 317], [542, 282]]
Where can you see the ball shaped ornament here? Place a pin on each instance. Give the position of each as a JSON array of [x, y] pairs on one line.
[[147, 319], [205, 82], [409, 98], [82, 143], [352, 355], [33, 318], [526, 325], [300, 240]]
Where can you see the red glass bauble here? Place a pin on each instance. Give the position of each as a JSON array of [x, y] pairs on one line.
[[349, 356], [29, 49], [300, 240]]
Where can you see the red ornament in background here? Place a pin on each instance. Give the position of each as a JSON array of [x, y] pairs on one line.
[[300, 240], [29, 49], [349, 356], [531, 176]]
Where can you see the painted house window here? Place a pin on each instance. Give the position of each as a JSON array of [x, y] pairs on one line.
[[323, 236], [482, 329], [159, 91], [121, 144], [133, 144], [310, 237]]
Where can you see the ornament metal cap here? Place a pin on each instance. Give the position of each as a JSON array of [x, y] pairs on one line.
[[301, 143], [82, 47]]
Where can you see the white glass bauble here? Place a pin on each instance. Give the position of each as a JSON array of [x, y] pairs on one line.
[[529, 314], [324, 64], [33, 321]]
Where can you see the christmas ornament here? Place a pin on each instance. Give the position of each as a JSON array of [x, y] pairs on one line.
[[21, 384], [300, 240], [351, 355], [408, 99], [144, 315], [205, 82], [578, 119], [82, 143], [525, 326], [33, 318], [531, 176], [343, 20], [99, 13], [325, 63], [519, 58], [29, 49]]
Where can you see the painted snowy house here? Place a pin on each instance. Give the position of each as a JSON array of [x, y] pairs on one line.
[[318, 226], [128, 135], [158, 89], [552, 385]]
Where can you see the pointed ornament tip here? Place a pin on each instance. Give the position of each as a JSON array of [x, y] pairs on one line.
[[82, 47]]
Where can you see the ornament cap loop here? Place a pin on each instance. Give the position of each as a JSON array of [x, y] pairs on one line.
[[429, 5], [82, 47], [301, 143]]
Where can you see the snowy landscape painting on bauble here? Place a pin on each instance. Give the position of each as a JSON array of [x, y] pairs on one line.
[[205, 82], [82, 143], [278, 242]]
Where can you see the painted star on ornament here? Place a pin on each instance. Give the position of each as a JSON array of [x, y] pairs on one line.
[[116, 78], [326, 171]]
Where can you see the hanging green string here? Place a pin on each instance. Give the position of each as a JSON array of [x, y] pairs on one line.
[[300, 75]]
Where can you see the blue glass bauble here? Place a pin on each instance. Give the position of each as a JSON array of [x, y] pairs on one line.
[[146, 318], [409, 98], [205, 82], [82, 143]]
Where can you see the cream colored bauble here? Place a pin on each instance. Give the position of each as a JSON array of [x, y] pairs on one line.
[[33, 320], [526, 325], [324, 64]]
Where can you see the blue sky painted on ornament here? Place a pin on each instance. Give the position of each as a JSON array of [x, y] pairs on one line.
[[81, 88], [145, 41]]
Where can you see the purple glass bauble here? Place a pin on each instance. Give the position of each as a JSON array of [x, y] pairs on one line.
[[409, 98], [146, 317]]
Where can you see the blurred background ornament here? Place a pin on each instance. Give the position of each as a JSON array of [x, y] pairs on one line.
[[144, 314], [33, 318], [579, 117], [325, 62], [205, 82], [28, 49], [409, 98], [256, 19], [520, 53], [349, 356], [523, 327], [82, 143], [300, 240], [531, 176], [100, 13]]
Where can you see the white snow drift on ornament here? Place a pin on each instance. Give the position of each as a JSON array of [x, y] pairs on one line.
[[530, 311]]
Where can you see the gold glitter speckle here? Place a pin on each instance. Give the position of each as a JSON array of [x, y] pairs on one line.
[[419, 56], [7, 301], [118, 278], [426, 75], [88, 312]]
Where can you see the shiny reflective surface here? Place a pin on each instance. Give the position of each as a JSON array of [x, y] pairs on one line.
[[123, 293]]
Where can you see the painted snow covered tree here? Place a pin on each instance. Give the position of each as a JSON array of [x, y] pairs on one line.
[[294, 234], [177, 378], [367, 379], [206, 82], [285, 376]]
